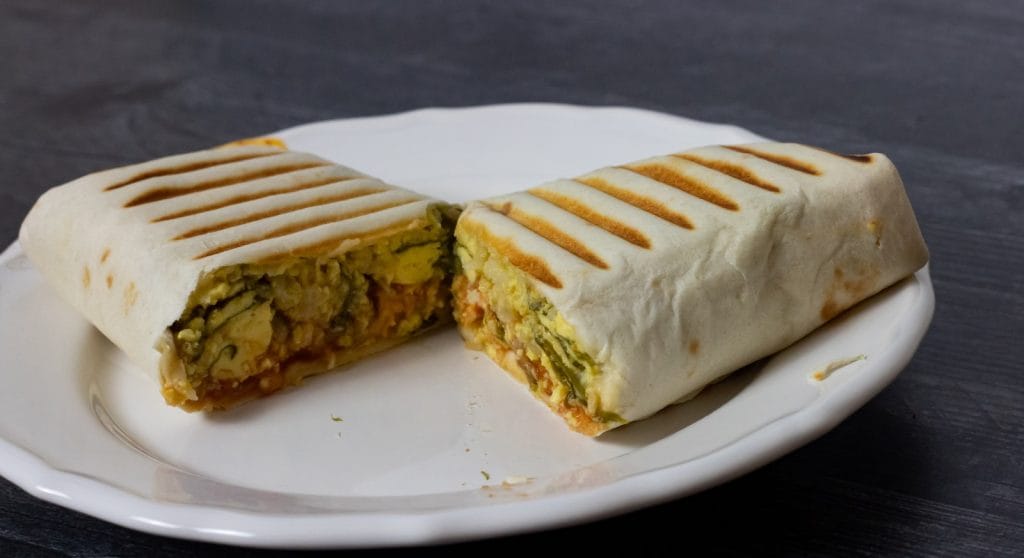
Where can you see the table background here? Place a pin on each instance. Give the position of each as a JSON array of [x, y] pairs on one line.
[[932, 466]]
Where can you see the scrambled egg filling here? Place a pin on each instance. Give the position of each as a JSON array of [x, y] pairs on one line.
[[500, 312], [246, 323]]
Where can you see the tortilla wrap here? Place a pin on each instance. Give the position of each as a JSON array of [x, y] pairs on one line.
[[622, 291], [137, 251]]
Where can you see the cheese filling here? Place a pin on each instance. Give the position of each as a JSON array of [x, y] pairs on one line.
[[499, 312], [249, 328]]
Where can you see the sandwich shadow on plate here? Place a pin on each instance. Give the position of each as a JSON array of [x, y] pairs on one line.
[[677, 417], [866, 314]]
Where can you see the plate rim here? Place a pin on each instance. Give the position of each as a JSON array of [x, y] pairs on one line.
[[333, 529], [422, 112]]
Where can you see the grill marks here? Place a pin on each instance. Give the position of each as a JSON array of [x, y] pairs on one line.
[[303, 225], [160, 194], [782, 160], [662, 171], [254, 196], [532, 265], [731, 169], [621, 230], [671, 177], [188, 167], [680, 173], [324, 200], [281, 171], [549, 232], [643, 203]]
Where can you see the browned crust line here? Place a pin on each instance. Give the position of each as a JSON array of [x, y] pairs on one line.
[[255, 196], [160, 194], [262, 141], [529, 264], [181, 169], [781, 160], [230, 223], [549, 232], [581, 210], [303, 225], [643, 203], [671, 177], [738, 172], [865, 158]]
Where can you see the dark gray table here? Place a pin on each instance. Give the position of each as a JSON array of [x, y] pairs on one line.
[[932, 466]]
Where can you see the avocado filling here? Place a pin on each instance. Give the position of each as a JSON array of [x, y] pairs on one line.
[[499, 311], [249, 328]]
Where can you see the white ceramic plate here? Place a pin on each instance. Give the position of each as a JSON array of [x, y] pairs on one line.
[[429, 442]]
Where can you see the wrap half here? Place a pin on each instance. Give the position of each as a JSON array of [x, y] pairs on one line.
[[233, 272], [622, 291]]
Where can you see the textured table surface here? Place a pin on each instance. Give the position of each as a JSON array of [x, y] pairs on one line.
[[933, 466]]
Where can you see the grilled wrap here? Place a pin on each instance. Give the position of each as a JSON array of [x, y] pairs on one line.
[[233, 272], [622, 291]]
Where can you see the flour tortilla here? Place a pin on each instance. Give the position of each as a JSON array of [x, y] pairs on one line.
[[683, 268], [126, 247]]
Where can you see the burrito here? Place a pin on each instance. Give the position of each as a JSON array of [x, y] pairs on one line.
[[231, 273], [628, 289]]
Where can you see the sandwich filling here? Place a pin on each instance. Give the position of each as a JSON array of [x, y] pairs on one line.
[[252, 329], [501, 313]]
